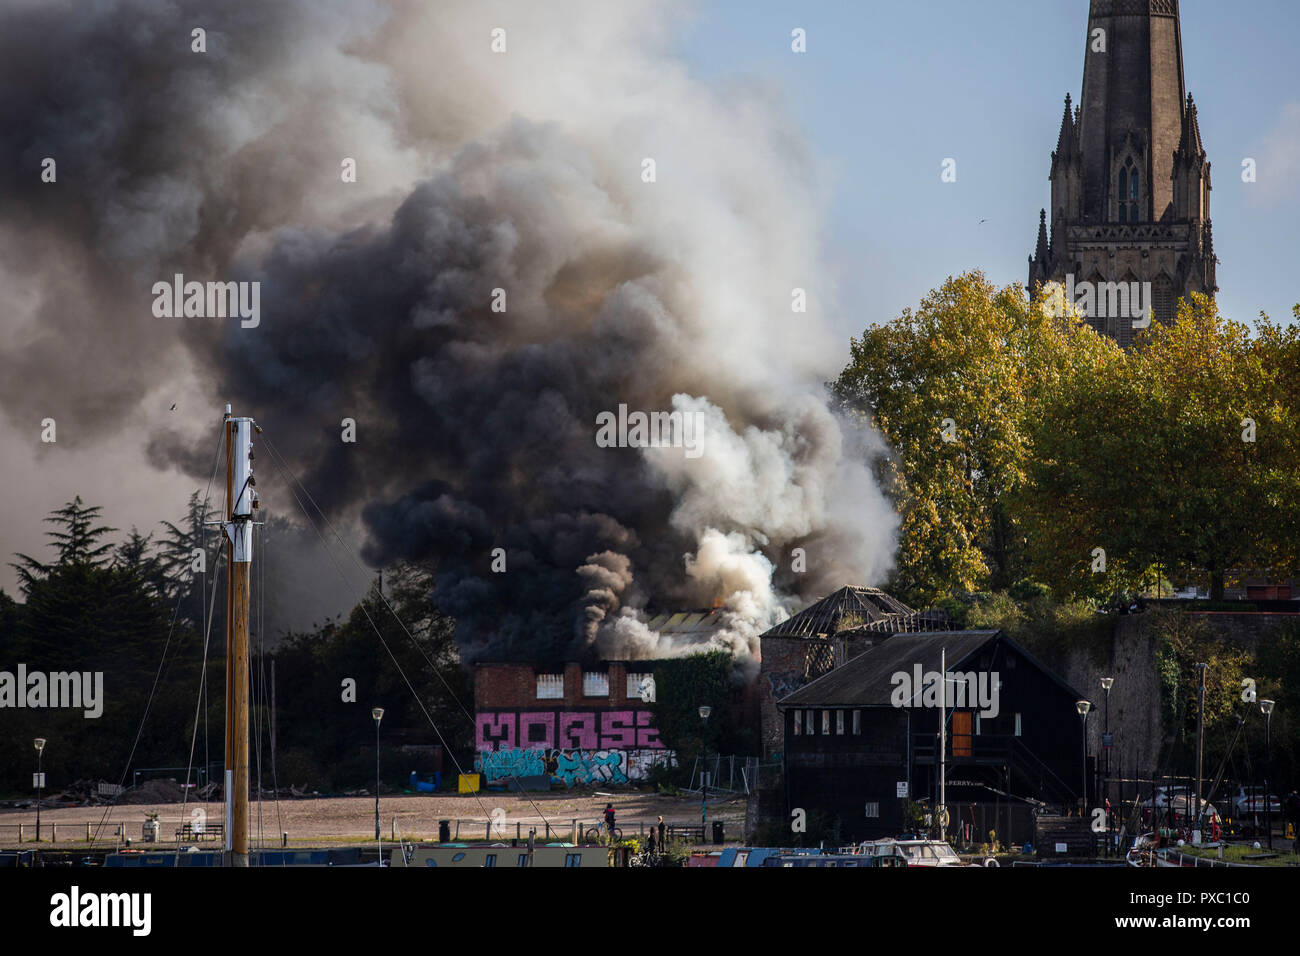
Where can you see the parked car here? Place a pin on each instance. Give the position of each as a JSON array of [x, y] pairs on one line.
[[1180, 800], [1252, 800]]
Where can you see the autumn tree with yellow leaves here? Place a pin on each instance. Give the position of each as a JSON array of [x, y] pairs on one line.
[[1026, 446]]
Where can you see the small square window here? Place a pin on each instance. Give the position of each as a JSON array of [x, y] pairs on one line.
[[641, 687], [873, 808], [573, 859], [550, 686], [523, 860], [595, 684], [490, 860]]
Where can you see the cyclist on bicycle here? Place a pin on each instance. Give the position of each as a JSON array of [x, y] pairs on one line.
[[609, 821]]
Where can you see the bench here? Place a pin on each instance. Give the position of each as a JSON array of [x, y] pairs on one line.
[[212, 831], [686, 831]]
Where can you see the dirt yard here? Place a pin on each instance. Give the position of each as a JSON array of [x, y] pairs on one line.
[[342, 820]]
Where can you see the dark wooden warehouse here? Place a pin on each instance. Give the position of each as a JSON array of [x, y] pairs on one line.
[[863, 739]]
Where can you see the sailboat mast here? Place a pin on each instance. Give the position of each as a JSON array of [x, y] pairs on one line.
[[241, 499]]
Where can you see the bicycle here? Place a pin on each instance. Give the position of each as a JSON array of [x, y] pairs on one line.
[[597, 834]]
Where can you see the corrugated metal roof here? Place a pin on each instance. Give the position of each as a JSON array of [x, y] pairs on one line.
[[687, 624]]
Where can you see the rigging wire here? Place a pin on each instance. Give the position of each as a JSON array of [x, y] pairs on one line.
[[285, 473], [171, 630]]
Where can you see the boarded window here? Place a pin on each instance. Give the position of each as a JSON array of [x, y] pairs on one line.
[[641, 687], [550, 686], [857, 721], [839, 721], [961, 733], [595, 684]]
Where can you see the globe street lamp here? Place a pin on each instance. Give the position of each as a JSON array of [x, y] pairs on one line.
[[705, 710], [1266, 706], [40, 783], [378, 714], [1083, 706]]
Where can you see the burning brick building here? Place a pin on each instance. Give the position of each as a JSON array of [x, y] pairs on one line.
[[569, 724]]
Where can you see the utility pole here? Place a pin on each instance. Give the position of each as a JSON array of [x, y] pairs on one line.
[[1200, 740], [941, 811], [241, 499]]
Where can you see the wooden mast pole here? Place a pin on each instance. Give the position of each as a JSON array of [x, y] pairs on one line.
[[227, 778], [240, 502]]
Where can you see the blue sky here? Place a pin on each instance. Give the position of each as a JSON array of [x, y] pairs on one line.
[[886, 91]]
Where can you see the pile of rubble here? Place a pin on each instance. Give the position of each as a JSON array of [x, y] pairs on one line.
[[85, 793], [154, 791]]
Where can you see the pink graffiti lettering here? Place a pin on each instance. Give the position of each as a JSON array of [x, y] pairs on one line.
[[617, 730], [646, 735], [495, 731], [578, 731], [537, 730]]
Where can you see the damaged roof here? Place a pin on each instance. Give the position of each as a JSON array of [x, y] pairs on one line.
[[867, 679], [859, 610]]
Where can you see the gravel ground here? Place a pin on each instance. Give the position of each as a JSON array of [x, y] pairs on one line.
[[341, 820]]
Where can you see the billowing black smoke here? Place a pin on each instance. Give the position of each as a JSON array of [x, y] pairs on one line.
[[504, 271]]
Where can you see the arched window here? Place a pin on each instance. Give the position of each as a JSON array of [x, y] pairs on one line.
[[1129, 182]]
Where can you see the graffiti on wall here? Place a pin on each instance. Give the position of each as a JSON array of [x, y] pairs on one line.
[[565, 730], [570, 768], [784, 683]]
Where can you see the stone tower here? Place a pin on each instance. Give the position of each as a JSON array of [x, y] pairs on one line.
[[1130, 181]]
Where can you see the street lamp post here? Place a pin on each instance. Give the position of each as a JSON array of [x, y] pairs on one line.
[[1107, 742], [1083, 706], [705, 710], [40, 783], [1267, 707], [378, 714]]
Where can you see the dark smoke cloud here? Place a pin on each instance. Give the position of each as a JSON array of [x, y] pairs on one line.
[[475, 428]]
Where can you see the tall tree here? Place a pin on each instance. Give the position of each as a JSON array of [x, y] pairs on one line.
[[181, 547], [950, 387], [77, 542], [1181, 450]]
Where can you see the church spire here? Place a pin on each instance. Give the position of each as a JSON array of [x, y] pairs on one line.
[[1067, 141], [1130, 177], [1041, 251], [1132, 78], [1190, 149]]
